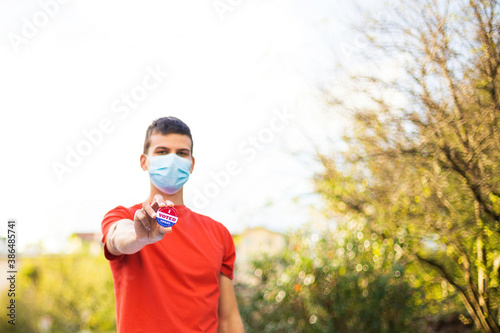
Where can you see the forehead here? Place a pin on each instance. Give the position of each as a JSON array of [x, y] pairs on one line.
[[171, 141]]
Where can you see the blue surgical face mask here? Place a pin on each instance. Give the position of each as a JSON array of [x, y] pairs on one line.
[[170, 172]]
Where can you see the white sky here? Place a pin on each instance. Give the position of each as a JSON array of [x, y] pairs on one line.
[[225, 79]]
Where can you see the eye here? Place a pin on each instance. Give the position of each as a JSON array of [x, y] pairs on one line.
[[182, 153], [161, 152]]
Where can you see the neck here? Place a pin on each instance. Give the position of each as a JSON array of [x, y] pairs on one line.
[[176, 198]]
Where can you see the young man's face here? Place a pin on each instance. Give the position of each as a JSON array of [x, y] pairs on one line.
[[165, 144]]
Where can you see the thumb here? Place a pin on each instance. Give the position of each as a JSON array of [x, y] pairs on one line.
[[164, 230]]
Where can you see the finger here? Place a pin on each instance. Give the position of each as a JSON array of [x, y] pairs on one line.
[[159, 199], [169, 203], [149, 209], [140, 215], [154, 205]]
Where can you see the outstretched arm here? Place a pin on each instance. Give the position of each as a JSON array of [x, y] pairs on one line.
[[128, 237]]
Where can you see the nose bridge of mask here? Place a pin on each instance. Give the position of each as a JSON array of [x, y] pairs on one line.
[[173, 159]]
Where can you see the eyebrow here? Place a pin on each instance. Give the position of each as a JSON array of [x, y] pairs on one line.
[[166, 148]]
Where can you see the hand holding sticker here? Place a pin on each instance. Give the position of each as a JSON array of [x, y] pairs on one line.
[[166, 216]]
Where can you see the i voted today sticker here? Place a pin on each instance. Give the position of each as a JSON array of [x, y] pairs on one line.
[[167, 216]]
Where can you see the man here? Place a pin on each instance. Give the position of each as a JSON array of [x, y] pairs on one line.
[[176, 279]]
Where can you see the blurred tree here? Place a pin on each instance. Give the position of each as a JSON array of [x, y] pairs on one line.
[[349, 280], [63, 293], [423, 154]]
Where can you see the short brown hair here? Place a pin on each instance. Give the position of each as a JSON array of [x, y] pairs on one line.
[[164, 126]]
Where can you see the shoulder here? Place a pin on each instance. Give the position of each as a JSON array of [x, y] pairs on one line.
[[114, 215], [211, 223], [123, 212]]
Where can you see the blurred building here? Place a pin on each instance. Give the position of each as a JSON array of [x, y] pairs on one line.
[[253, 244], [78, 242]]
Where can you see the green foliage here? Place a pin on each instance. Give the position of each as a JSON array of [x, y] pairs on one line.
[[63, 293], [341, 279]]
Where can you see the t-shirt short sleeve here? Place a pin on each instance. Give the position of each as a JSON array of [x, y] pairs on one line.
[[114, 215], [227, 267]]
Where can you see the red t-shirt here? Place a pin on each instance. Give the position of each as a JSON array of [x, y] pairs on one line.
[[173, 284]]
